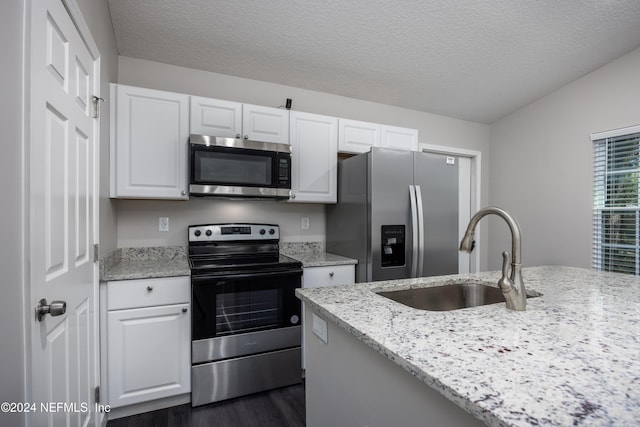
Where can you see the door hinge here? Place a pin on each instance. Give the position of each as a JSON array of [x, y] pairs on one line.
[[97, 394], [95, 101], [96, 253]]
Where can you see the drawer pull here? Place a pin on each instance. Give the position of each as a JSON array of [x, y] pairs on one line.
[[184, 310], [331, 274], [149, 288]]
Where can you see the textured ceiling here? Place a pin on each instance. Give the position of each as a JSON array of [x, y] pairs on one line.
[[471, 59]]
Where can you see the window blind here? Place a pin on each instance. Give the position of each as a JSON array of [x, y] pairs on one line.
[[616, 200]]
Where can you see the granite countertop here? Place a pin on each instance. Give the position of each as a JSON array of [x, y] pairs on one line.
[[169, 261], [312, 254], [573, 358], [144, 263]]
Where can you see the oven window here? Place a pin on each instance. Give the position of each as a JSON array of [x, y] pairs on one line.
[[213, 167], [237, 304], [247, 311]]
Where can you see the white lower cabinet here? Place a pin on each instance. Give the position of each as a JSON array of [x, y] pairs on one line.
[[148, 340], [328, 275]]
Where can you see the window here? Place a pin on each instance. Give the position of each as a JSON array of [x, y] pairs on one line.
[[616, 200]]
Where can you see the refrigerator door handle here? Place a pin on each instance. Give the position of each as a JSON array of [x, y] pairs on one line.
[[414, 230], [421, 231]]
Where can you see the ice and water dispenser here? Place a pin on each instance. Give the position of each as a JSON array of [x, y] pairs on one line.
[[393, 239]]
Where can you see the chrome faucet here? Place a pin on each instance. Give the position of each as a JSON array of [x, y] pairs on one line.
[[510, 283]]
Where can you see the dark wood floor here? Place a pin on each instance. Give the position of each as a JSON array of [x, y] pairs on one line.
[[283, 407]]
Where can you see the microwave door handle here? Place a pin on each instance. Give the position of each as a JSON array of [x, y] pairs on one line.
[[414, 231]]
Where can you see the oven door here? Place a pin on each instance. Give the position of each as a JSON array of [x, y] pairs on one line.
[[239, 314], [240, 168]]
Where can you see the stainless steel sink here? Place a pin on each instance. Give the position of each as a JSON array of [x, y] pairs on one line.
[[449, 297]]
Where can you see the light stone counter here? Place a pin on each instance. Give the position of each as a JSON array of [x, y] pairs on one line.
[[144, 263], [573, 358], [312, 254]]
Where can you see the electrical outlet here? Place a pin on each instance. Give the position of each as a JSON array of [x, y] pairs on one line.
[[163, 223], [305, 223]]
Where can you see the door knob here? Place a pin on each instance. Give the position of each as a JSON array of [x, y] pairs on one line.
[[56, 308]]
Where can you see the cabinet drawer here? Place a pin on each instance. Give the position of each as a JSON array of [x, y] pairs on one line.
[[314, 277], [123, 294]]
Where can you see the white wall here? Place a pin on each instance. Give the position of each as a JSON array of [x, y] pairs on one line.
[[12, 315], [541, 163], [96, 14], [138, 220]]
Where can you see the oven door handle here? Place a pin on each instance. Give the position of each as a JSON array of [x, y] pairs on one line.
[[218, 279]]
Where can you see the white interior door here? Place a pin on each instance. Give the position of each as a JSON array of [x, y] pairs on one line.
[[62, 213]]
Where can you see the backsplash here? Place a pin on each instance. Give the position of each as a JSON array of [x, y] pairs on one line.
[[138, 219]]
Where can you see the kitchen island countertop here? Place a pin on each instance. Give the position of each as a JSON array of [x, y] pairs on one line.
[[573, 358]]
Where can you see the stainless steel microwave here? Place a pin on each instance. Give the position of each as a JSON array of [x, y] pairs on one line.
[[238, 168]]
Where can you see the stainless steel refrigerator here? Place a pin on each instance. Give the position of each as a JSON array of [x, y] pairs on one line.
[[397, 214]]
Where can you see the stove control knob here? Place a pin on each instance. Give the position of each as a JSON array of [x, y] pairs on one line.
[[197, 233], [208, 233], [272, 231], [262, 231]]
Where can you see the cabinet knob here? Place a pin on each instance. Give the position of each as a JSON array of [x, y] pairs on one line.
[[149, 288], [293, 196], [246, 137], [238, 135], [184, 193], [184, 310], [331, 274]]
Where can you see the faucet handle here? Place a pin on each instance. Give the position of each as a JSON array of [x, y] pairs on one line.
[[506, 259], [505, 283]]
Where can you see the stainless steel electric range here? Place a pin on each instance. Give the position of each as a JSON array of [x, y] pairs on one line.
[[245, 316]]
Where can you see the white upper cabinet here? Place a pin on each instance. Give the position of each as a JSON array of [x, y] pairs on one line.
[[399, 138], [217, 117], [357, 137], [266, 124], [314, 141], [149, 136]]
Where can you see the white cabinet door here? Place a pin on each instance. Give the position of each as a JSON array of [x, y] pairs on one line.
[[357, 137], [148, 353], [150, 132], [314, 158], [266, 124], [216, 117], [399, 138]]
